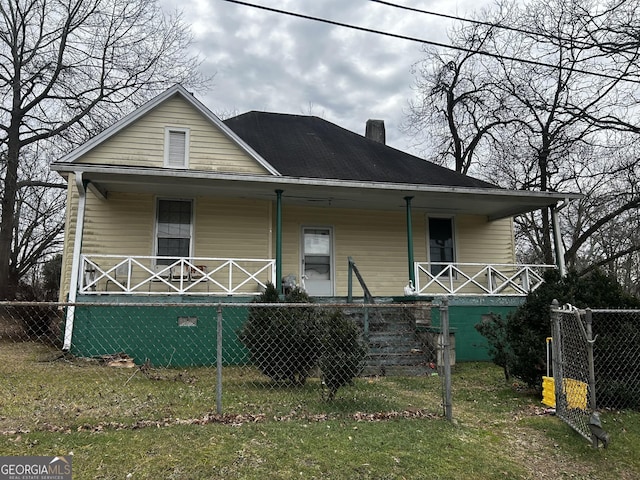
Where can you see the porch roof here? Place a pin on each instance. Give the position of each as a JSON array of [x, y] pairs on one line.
[[494, 203]]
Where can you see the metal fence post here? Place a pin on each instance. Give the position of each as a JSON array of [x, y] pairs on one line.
[[219, 362], [444, 325], [556, 355], [350, 280], [592, 373]]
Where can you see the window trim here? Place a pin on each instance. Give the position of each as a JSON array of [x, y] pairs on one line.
[[154, 253], [332, 253], [167, 144]]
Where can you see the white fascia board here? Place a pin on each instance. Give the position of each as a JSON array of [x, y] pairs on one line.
[[545, 197], [150, 105], [230, 133]]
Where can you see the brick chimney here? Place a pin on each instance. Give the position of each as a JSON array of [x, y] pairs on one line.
[[375, 131]]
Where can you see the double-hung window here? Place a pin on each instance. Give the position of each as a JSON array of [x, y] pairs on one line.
[[176, 147], [173, 227], [441, 243]]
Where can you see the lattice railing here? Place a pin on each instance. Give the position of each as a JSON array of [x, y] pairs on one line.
[[113, 274], [436, 278]]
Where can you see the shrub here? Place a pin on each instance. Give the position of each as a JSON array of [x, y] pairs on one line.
[[283, 341], [287, 343], [343, 352], [494, 329], [527, 328]]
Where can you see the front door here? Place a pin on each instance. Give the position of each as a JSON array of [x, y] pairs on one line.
[[317, 260]]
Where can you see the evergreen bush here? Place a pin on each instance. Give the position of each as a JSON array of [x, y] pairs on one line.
[[522, 344], [287, 343], [343, 352], [283, 342], [494, 329]]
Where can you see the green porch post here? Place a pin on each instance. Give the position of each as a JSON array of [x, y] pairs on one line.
[[279, 241], [410, 241]]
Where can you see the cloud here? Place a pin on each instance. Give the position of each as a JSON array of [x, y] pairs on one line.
[[272, 62]]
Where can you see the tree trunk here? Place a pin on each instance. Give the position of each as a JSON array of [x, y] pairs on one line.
[[8, 280], [543, 163]]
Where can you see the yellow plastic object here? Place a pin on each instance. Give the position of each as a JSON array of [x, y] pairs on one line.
[[576, 392], [548, 384], [549, 392]]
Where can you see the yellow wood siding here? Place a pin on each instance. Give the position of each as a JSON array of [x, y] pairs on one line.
[[121, 225], [376, 240], [69, 235], [479, 241], [243, 228], [142, 143], [125, 225], [232, 228]]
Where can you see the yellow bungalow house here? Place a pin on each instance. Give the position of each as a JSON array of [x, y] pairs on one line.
[[173, 203]]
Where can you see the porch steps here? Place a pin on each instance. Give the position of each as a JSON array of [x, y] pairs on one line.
[[394, 347], [396, 353]]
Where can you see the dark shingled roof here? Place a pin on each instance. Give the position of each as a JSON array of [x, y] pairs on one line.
[[304, 146]]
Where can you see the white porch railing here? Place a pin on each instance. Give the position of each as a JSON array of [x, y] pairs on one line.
[[477, 278], [115, 274]]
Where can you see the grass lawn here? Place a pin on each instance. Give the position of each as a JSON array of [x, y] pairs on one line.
[[126, 423]]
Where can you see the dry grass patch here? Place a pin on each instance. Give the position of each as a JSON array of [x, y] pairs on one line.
[[131, 423]]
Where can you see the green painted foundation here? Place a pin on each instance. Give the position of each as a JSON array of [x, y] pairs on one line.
[[176, 335], [464, 314], [154, 333]]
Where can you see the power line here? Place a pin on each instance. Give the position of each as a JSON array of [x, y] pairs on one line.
[[427, 42], [454, 17], [491, 24]]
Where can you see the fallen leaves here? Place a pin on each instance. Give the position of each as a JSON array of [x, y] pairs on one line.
[[235, 420]]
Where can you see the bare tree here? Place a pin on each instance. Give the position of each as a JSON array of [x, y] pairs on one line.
[[39, 213], [459, 107], [67, 69], [568, 111]]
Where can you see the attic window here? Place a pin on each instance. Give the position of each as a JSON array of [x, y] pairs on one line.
[[176, 147]]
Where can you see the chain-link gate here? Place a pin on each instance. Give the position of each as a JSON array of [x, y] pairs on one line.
[[596, 365], [268, 360], [573, 368]]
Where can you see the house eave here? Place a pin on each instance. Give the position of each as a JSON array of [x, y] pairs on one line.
[[436, 199]]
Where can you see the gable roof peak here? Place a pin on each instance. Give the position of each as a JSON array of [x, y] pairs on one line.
[[189, 97]]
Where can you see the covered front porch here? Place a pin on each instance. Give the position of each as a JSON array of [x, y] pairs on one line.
[[205, 276], [382, 226]]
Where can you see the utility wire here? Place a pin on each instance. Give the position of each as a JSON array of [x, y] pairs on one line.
[[461, 19], [427, 42], [495, 25]]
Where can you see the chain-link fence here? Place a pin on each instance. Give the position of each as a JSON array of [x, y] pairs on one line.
[[617, 358], [596, 364], [273, 360]]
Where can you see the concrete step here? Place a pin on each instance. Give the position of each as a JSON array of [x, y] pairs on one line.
[[394, 348], [392, 358], [391, 337], [398, 371], [405, 348]]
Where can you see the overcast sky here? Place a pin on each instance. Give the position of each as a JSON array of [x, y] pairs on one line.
[[271, 62]]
